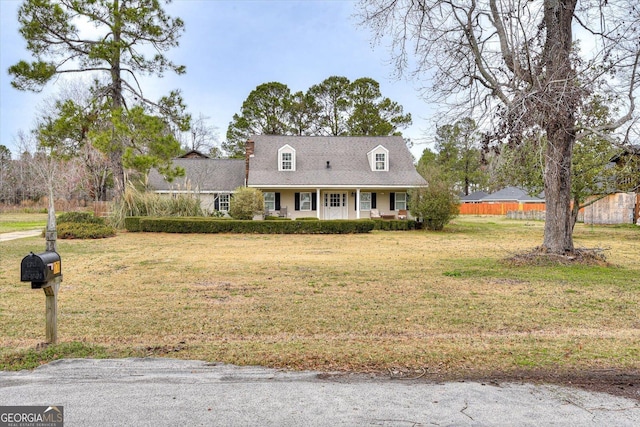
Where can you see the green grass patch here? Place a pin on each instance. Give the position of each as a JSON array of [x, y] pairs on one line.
[[32, 358], [10, 222]]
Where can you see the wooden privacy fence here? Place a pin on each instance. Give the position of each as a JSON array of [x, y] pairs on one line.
[[101, 209], [498, 208]]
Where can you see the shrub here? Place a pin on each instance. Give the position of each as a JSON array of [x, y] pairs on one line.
[[436, 205], [209, 225], [392, 225], [82, 225], [79, 218], [246, 203], [76, 230]]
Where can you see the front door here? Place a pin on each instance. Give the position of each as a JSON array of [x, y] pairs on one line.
[[335, 206]]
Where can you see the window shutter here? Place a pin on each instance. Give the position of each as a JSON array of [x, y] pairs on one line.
[[373, 201], [314, 202], [277, 201], [216, 202], [297, 201], [392, 201]]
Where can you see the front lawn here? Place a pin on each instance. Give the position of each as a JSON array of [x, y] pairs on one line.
[[414, 301]]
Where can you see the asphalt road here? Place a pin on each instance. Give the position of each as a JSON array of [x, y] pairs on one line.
[[167, 392]]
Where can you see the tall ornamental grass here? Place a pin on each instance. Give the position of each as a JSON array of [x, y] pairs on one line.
[[136, 202]]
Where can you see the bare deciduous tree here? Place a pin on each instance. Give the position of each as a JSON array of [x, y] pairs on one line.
[[202, 137], [526, 65]]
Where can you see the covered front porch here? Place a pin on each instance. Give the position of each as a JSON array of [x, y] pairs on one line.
[[335, 203]]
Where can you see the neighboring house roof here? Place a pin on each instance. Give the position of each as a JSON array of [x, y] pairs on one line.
[[202, 174], [325, 161], [476, 196], [511, 194], [194, 154]]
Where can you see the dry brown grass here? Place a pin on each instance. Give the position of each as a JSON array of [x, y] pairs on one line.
[[439, 302]]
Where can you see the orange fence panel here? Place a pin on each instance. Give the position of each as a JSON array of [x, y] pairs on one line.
[[488, 208]]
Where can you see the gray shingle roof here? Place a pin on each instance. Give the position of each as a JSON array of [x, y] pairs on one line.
[[476, 196], [511, 194], [204, 175], [346, 155]]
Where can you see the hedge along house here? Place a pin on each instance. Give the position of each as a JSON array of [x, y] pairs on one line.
[[212, 180], [331, 177]]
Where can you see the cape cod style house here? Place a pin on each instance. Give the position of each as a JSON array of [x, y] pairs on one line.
[[307, 176], [332, 177]]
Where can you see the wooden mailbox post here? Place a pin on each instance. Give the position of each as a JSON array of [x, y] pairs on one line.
[[44, 271], [51, 291]]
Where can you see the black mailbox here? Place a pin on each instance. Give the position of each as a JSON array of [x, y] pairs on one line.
[[40, 268]]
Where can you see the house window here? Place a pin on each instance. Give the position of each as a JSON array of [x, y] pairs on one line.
[[380, 162], [333, 200], [270, 201], [223, 202], [287, 161], [305, 201], [286, 158], [365, 201], [401, 201]]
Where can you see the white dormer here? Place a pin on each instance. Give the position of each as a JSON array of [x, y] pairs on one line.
[[286, 158], [379, 159]]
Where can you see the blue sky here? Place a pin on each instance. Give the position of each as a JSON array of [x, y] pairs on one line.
[[229, 48]]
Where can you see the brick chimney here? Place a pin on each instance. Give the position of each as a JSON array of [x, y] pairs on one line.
[[248, 153]]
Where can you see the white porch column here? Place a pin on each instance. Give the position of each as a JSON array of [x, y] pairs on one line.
[[319, 204], [357, 203]]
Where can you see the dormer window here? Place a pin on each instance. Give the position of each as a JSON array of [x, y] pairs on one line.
[[287, 161], [379, 159], [286, 158]]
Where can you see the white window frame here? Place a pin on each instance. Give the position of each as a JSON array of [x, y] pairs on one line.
[[379, 159], [365, 201], [287, 158], [305, 201], [224, 202], [287, 161], [270, 201], [401, 204]]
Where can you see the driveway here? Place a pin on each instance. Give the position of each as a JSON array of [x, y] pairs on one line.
[[167, 392], [20, 234]]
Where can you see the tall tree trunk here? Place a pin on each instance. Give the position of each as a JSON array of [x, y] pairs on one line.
[[558, 237], [560, 99]]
